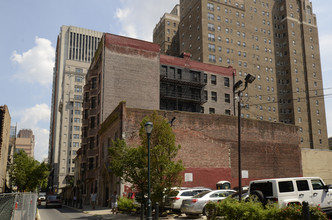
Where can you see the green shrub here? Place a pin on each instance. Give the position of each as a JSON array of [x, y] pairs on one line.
[[232, 209], [125, 204]]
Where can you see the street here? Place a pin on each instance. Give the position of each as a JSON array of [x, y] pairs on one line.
[[62, 213], [69, 213]]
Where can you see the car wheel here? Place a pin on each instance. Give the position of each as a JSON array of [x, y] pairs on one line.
[[258, 196], [204, 211]]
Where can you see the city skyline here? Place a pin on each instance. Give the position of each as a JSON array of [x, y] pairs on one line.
[[28, 50]]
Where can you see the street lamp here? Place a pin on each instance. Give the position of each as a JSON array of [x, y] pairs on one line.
[[148, 129], [249, 79]]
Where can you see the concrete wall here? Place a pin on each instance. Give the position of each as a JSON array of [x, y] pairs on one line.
[[317, 163]]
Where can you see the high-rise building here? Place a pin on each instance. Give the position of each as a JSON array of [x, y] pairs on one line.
[[4, 144], [74, 51], [25, 141], [166, 32], [274, 40]]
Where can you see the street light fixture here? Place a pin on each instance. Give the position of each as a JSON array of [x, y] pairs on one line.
[[249, 79], [148, 129]]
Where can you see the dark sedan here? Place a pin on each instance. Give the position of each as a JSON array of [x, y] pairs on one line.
[[53, 201]]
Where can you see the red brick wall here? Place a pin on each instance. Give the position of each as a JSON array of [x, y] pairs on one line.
[[209, 146]]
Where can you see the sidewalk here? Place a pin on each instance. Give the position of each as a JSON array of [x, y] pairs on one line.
[[105, 213]]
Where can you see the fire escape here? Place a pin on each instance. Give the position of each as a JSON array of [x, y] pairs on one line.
[[181, 89]]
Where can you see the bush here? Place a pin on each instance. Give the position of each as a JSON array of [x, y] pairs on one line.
[[125, 204], [232, 209]]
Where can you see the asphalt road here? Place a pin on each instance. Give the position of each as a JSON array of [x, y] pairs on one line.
[[62, 213]]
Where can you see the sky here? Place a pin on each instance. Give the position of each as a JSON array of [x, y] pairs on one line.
[[29, 31]]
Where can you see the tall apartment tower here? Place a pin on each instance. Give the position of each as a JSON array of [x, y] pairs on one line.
[[166, 32], [274, 40], [74, 51], [25, 141], [4, 144]]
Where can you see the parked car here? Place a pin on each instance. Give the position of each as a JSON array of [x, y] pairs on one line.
[[286, 191], [244, 197], [53, 201], [196, 205], [174, 200]]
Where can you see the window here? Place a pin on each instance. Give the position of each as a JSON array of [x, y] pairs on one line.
[[226, 81], [227, 98], [76, 136], [78, 89], [286, 186], [77, 120], [317, 184], [205, 95], [78, 78], [211, 110], [214, 96], [210, 16], [77, 112], [211, 27], [302, 185], [212, 58], [77, 128], [212, 47], [195, 76], [211, 37], [205, 77], [213, 79], [77, 97], [210, 6], [93, 102]]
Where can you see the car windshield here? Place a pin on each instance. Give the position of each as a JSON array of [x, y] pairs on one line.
[[200, 195], [53, 197]]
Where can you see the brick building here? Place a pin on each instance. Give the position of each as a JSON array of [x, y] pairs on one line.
[[4, 144], [166, 32], [25, 141], [134, 72], [274, 40], [208, 148]]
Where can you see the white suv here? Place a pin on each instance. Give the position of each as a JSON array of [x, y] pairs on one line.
[[287, 191], [175, 198]]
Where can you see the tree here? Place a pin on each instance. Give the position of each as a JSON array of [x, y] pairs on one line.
[[131, 163], [28, 174]]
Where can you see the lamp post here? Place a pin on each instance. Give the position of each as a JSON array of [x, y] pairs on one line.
[[148, 129], [249, 79]]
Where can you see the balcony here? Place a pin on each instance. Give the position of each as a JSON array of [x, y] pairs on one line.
[[92, 152], [93, 112]]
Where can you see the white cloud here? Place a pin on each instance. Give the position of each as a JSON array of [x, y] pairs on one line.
[[36, 118], [36, 64], [140, 25], [122, 14]]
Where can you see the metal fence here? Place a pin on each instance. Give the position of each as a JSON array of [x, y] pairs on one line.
[[17, 206]]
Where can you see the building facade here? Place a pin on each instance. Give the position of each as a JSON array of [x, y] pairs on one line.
[[4, 144], [74, 51], [276, 41], [25, 141], [166, 32], [134, 71], [269, 150]]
